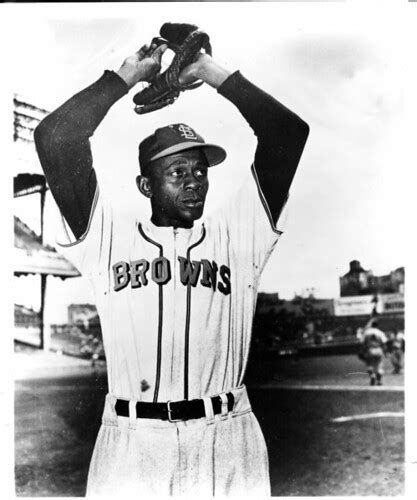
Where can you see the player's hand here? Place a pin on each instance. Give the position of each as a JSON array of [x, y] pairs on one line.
[[143, 65], [206, 69], [195, 71]]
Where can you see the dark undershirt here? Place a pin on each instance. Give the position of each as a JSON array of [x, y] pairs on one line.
[[63, 143]]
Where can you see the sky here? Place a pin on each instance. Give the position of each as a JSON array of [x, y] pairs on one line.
[[335, 66]]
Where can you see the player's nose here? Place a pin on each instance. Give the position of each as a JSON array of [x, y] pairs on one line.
[[191, 181]]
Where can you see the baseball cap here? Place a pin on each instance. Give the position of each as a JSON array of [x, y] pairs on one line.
[[174, 138]]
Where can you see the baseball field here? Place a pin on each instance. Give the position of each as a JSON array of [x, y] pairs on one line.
[[327, 431]]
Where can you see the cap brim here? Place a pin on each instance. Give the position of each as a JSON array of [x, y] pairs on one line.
[[214, 154]]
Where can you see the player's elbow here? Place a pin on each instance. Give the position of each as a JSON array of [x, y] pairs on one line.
[[298, 137], [51, 142], [38, 134], [43, 138], [300, 130], [295, 129], [304, 129], [42, 134]]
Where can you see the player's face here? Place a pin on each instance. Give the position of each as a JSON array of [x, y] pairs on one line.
[[178, 187]]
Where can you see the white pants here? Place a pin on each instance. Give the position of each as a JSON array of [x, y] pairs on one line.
[[221, 455]]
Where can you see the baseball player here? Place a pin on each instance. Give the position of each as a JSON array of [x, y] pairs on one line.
[[176, 294], [373, 349], [395, 348]]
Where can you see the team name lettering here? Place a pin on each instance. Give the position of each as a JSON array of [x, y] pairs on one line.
[[161, 270], [137, 273], [189, 271]]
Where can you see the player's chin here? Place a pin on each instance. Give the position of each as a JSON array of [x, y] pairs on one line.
[[192, 213]]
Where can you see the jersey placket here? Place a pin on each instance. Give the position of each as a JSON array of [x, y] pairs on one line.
[[177, 318], [173, 320], [188, 316], [177, 315]]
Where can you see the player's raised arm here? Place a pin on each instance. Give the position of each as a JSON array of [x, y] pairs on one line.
[[281, 133], [62, 138]]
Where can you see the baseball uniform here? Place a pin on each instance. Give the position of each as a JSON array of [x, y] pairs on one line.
[[176, 308], [396, 351], [374, 341]]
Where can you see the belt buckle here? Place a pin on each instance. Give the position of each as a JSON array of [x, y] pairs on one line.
[[173, 420]]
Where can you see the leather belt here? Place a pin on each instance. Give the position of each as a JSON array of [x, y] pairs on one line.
[[174, 411]]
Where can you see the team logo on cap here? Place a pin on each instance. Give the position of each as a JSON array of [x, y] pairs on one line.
[[187, 132]]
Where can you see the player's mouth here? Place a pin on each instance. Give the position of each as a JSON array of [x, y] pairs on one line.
[[193, 202]]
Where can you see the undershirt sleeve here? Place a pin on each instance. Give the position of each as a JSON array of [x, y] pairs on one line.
[[281, 136], [62, 141]]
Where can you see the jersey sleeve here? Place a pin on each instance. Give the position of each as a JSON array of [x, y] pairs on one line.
[[249, 224], [85, 252]]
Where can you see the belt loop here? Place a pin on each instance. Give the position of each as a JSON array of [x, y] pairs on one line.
[[132, 415], [208, 408], [225, 409], [109, 414]]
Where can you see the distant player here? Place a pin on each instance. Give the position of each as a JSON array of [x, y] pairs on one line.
[[175, 295], [396, 351], [373, 351]]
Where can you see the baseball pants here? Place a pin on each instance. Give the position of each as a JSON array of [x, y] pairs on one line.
[[397, 360], [375, 361], [215, 455]]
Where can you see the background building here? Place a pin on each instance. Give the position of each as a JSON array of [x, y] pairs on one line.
[[358, 281], [309, 321]]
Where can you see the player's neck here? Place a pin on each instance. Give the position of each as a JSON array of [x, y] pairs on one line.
[[168, 222]]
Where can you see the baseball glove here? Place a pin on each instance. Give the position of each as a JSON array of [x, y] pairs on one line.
[[186, 41]]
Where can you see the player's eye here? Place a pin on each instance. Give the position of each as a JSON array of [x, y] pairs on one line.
[[177, 172], [201, 172]]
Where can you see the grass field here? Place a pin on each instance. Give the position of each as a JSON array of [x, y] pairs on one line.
[[56, 422]]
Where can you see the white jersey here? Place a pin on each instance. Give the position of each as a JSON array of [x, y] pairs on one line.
[[376, 333], [176, 305]]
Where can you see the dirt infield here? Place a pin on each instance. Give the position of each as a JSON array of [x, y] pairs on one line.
[[311, 455]]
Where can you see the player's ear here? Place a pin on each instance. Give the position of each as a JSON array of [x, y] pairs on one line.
[[144, 185]]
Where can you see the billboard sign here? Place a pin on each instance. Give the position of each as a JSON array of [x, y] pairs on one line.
[[354, 306], [391, 303], [362, 305]]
